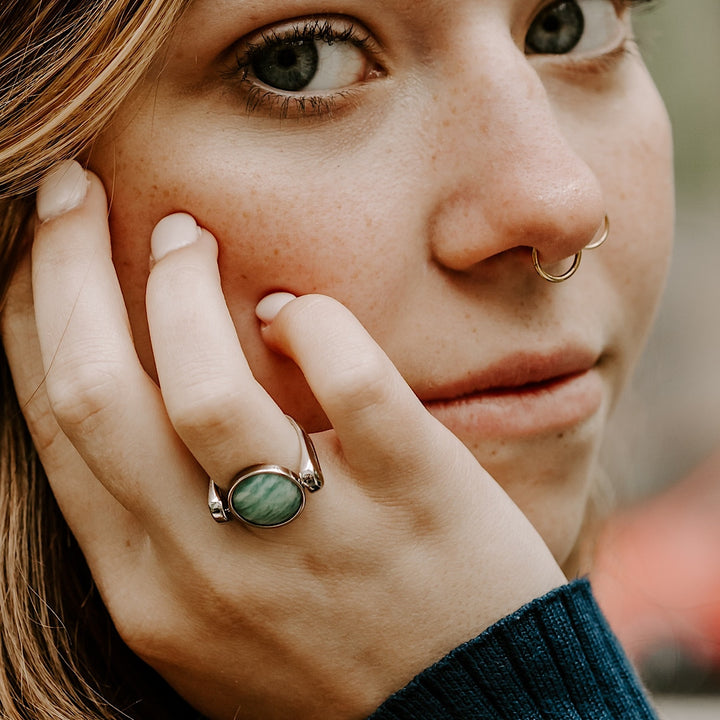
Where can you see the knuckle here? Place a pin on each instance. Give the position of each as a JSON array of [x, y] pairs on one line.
[[203, 414], [42, 423], [142, 614], [147, 633], [82, 396], [153, 622], [362, 384]]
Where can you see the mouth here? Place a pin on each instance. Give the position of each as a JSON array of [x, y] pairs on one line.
[[522, 395]]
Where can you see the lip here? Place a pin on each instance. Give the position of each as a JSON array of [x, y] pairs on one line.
[[522, 395]]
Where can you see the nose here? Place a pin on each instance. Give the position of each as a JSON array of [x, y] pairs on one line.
[[508, 175]]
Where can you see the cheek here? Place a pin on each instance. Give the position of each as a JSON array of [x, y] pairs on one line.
[[282, 228], [628, 144], [642, 202]]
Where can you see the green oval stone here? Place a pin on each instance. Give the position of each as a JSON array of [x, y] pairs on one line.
[[267, 499]]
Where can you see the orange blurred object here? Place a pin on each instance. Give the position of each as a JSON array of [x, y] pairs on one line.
[[657, 577]]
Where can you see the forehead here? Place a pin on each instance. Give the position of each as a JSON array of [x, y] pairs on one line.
[[218, 12], [256, 8]]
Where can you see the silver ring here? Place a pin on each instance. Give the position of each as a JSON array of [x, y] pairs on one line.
[[266, 495]]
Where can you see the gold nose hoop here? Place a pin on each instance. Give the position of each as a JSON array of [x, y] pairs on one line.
[[596, 243]]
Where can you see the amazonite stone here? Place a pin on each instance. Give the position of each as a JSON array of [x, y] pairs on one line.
[[267, 499]]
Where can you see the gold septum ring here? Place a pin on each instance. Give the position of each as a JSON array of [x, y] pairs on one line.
[[596, 243]]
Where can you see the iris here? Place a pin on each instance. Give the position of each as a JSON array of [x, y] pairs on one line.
[[557, 29], [286, 65]]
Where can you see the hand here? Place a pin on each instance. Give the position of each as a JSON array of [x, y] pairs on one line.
[[408, 550]]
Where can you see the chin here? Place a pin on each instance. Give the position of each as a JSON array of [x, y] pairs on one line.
[[554, 480]]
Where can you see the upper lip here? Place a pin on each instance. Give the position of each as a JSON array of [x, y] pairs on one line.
[[515, 372]]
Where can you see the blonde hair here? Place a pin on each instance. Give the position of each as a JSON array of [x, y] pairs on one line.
[[65, 67]]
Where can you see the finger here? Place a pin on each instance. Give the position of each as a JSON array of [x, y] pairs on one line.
[[377, 417], [104, 402], [97, 520], [221, 412]]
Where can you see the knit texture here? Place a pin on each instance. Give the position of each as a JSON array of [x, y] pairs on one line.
[[555, 658]]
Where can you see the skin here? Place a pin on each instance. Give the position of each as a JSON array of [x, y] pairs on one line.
[[416, 190], [414, 208]]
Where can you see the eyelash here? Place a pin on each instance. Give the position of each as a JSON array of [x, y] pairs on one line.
[[283, 105]]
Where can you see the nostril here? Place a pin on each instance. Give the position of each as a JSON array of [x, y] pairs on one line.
[[557, 209]]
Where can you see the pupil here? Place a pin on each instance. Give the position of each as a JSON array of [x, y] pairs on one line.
[[286, 65], [287, 58], [557, 29], [551, 24]]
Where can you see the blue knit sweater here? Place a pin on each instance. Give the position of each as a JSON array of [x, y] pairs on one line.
[[554, 658]]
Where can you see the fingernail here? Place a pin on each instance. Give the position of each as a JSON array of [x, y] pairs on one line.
[[63, 188], [268, 308], [172, 233]]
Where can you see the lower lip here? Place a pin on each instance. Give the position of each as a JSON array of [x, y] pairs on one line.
[[535, 409]]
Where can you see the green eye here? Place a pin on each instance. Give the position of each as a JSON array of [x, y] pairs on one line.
[[286, 65], [557, 29]]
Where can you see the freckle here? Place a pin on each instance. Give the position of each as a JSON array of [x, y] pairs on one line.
[[560, 436]]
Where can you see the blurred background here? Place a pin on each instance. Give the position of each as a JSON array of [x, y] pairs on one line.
[[658, 562], [670, 418]]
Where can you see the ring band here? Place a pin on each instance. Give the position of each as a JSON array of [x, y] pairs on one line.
[[576, 259], [556, 278], [602, 237], [266, 495]]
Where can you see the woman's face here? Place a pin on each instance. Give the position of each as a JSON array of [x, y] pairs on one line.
[[403, 158]]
